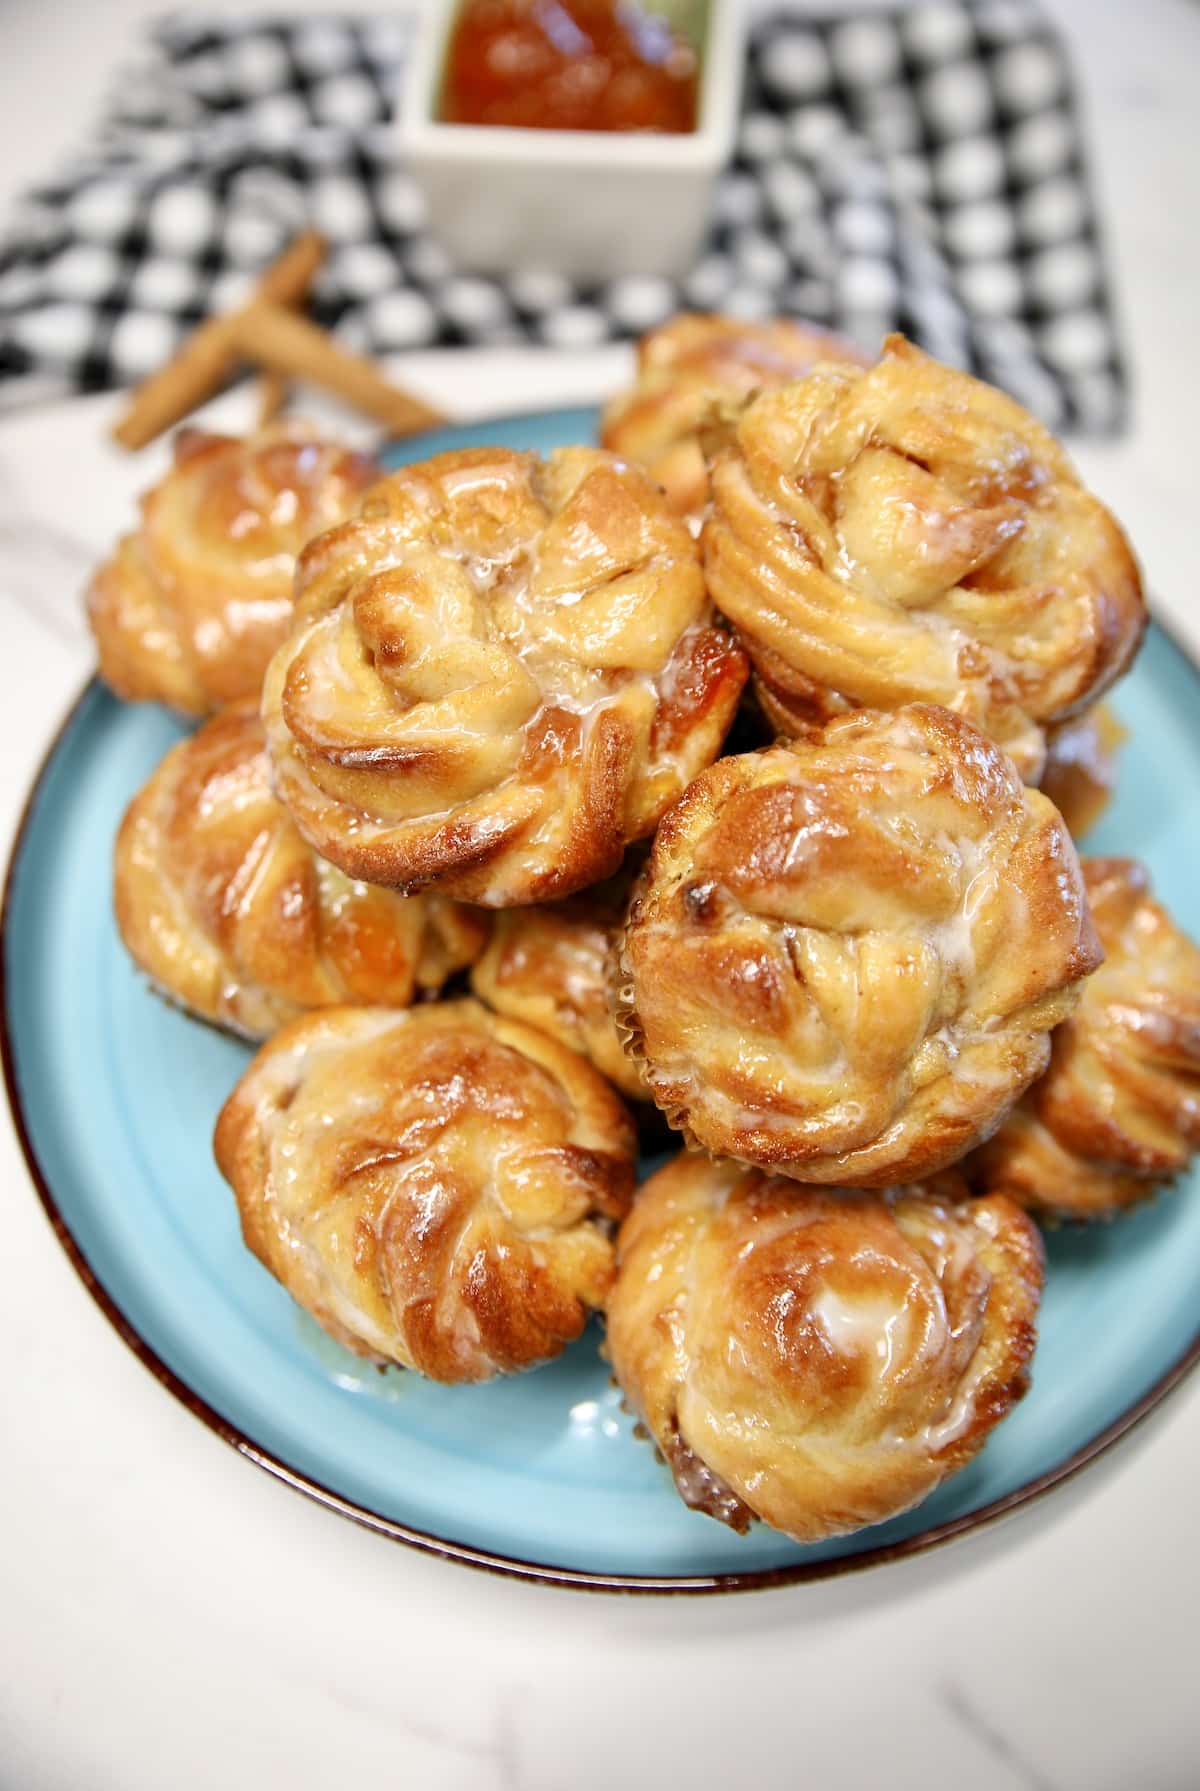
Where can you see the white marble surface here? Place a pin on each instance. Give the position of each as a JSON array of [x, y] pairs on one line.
[[170, 1617]]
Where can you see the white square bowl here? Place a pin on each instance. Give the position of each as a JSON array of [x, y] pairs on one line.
[[591, 205]]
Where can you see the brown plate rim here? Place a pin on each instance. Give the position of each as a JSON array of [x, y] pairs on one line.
[[511, 1567]]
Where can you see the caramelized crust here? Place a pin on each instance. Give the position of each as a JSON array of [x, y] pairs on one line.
[[437, 1187], [500, 674], [847, 953], [1118, 1112], [1081, 767], [818, 1358], [548, 967], [908, 534], [191, 605], [232, 914], [686, 370]]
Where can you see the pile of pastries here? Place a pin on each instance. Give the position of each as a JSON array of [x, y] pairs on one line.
[[724, 774]]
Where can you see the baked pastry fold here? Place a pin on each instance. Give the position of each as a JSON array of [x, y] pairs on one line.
[[818, 1358], [500, 673], [687, 368], [231, 913], [847, 953], [909, 534], [548, 966], [437, 1187], [192, 604], [1117, 1113]]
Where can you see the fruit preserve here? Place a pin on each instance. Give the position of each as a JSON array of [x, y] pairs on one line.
[[568, 65]]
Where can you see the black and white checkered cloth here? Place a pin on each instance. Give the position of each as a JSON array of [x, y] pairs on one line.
[[918, 170]]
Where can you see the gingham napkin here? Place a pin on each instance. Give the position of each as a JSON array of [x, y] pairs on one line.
[[920, 170]]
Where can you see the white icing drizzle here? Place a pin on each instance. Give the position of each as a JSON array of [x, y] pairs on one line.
[[860, 1327]]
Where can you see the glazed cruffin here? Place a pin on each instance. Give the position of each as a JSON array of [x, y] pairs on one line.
[[820, 1358], [192, 604], [500, 674], [908, 534], [437, 1187], [689, 370], [548, 965], [232, 914], [847, 953], [1117, 1114], [477, 742]]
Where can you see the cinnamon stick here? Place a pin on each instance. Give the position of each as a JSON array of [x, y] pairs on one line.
[[287, 343], [273, 391], [207, 358]]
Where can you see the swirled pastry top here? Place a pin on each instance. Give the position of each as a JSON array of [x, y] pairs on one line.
[[193, 603], [818, 1358], [692, 364], [500, 673], [437, 1187], [548, 966], [847, 953], [1118, 1111], [908, 534], [233, 914]]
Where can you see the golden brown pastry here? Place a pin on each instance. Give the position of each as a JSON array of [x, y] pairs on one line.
[[191, 605], [500, 673], [847, 953], [232, 914], [1081, 767], [690, 365], [1117, 1114], [437, 1187], [819, 1358], [548, 966], [908, 534]]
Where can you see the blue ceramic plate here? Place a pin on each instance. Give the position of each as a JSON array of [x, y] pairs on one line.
[[115, 1095]]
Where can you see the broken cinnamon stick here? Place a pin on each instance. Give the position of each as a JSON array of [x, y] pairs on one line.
[[287, 343], [207, 358], [273, 391]]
